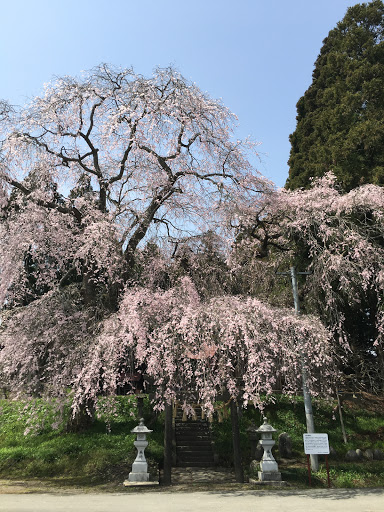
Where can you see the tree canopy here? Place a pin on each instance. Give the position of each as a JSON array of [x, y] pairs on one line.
[[339, 238], [97, 176], [141, 157], [136, 235], [340, 124]]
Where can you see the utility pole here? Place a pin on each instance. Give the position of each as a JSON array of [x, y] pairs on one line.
[[306, 394]]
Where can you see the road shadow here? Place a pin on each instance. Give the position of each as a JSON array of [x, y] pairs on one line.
[[323, 494]]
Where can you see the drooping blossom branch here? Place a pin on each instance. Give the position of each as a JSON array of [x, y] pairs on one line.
[[340, 240], [194, 349]]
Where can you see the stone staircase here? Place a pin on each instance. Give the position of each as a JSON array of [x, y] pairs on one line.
[[194, 446]]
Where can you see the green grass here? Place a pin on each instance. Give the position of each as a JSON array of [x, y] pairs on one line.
[[342, 475], [105, 451], [364, 430]]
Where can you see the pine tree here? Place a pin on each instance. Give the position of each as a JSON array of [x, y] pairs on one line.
[[340, 118]]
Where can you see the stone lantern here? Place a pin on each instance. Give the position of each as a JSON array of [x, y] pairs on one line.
[[269, 470], [139, 471]]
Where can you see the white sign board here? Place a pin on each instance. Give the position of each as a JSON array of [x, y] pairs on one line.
[[316, 444]]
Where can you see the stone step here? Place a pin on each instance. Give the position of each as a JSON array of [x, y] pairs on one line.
[[191, 424], [190, 456], [194, 447], [194, 458], [192, 441], [197, 451], [198, 417], [197, 424], [188, 420], [185, 456], [193, 434], [190, 432], [195, 464], [203, 444], [196, 408], [194, 450], [190, 428]]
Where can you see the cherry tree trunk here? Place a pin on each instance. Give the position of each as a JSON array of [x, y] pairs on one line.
[[167, 475], [381, 366], [236, 443], [82, 420]]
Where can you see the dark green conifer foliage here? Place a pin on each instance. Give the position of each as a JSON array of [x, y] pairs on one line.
[[340, 118]]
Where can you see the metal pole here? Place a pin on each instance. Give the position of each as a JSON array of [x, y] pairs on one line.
[[295, 290], [341, 417], [309, 471], [326, 462], [306, 393]]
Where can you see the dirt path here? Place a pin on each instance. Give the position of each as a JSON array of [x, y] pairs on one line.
[[334, 500]]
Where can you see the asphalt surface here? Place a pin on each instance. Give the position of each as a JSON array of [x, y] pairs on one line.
[[340, 500]]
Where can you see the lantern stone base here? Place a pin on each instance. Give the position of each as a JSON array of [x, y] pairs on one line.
[[269, 476], [127, 483], [272, 483], [138, 477], [139, 466]]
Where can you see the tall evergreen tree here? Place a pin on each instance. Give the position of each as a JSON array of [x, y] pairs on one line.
[[340, 118]]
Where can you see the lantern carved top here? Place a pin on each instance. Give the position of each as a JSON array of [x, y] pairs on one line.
[[266, 427], [141, 428]]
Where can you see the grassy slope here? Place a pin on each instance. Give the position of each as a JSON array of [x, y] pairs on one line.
[[102, 453], [105, 451], [364, 423]]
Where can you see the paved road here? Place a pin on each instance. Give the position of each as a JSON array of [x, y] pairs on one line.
[[334, 500]]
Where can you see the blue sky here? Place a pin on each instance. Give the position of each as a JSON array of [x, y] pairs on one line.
[[256, 55]]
